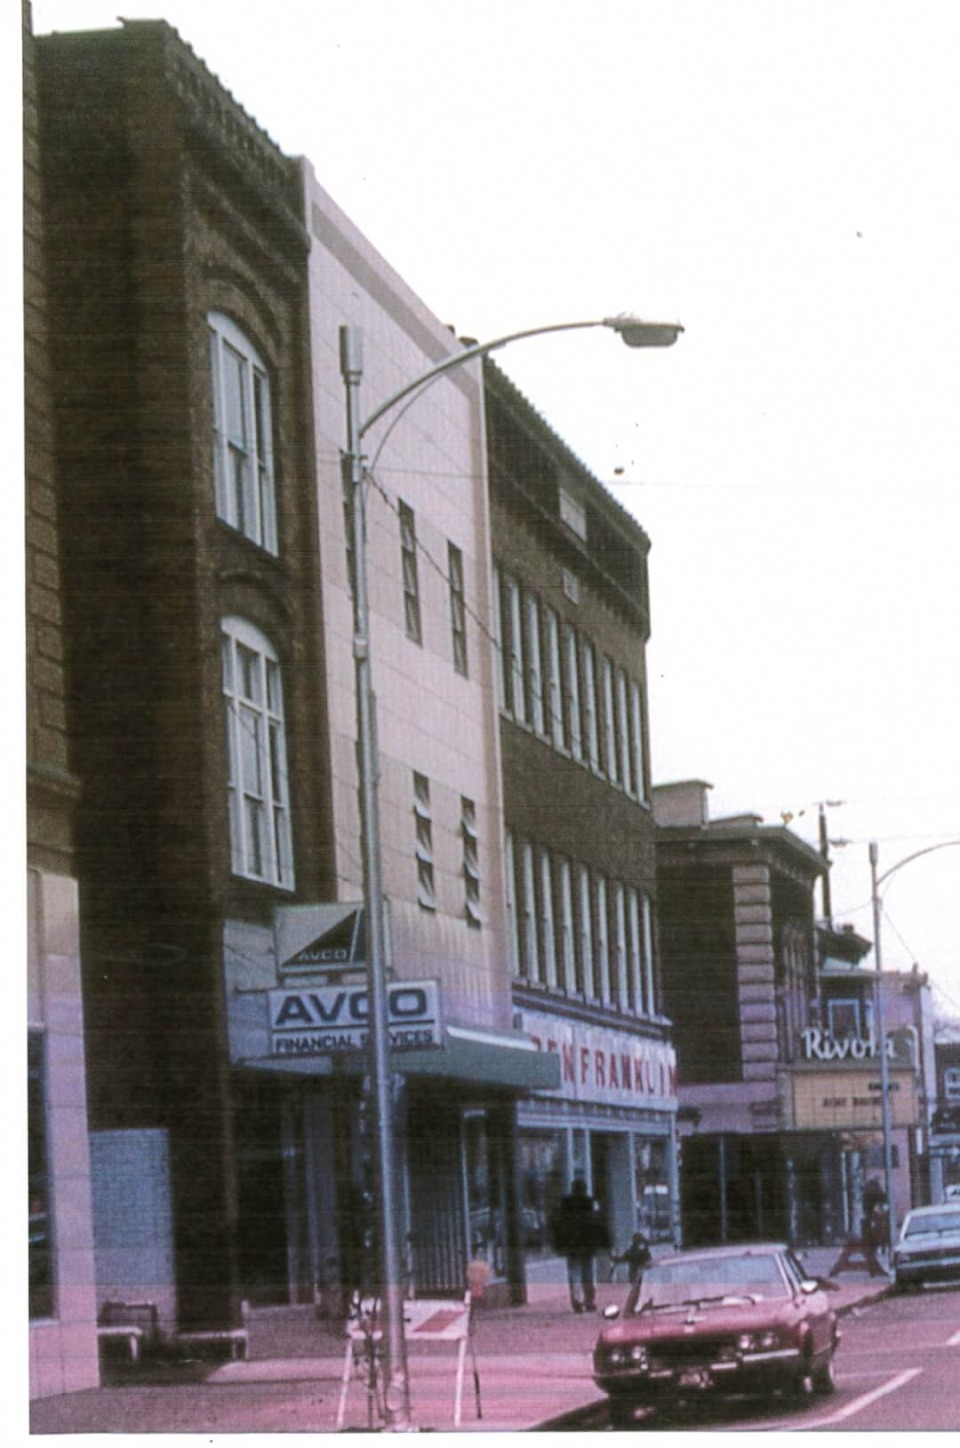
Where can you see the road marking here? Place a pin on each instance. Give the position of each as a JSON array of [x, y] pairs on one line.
[[858, 1404], [953, 1341]]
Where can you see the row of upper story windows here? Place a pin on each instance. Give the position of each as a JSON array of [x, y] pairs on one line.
[[575, 930], [555, 681]]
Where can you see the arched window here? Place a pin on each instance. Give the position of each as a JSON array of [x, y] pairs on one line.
[[257, 783], [242, 434]]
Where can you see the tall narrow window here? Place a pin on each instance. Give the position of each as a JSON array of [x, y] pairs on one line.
[[636, 731], [624, 754], [547, 933], [602, 927], [458, 608], [534, 670], [619, 963], [650, 994], [571, 680], [499, 640], [257, 759], [634, 953], [591, 705], [585, 952], [242, 434], [610, 759], [516, 694], [529, 954], [411, 581], [558, 733], [423, 826], [513, 912], [568, 953], [471, 861]]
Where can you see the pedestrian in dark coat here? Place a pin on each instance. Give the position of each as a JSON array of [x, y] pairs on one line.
[[578, 1233]]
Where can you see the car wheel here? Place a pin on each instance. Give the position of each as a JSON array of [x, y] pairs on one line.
[[622, 1411], [824, 1381]]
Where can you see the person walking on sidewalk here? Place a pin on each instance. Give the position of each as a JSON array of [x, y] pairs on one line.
[[872, 1234], [579, 1233]]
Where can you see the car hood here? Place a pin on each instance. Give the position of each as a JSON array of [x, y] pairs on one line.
[[705, 1321]]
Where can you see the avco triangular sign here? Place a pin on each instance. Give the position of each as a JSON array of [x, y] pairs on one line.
[[340, 948]]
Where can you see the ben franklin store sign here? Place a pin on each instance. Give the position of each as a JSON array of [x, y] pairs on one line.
[[606, 1066], [318, 1020]]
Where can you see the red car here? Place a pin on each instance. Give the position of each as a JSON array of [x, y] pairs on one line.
[[742, 1319]]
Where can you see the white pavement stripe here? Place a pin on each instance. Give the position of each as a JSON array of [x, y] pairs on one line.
[[953, 1341], [858, 1404]]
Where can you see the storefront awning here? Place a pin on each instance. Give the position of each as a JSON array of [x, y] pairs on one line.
[[482, 1057]]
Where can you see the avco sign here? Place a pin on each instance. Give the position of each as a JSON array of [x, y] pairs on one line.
[[324, 1019]]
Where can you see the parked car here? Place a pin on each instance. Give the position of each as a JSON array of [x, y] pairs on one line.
[[725, 1319], [928, 1249]]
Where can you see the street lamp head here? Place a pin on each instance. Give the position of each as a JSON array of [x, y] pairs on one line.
[[638, 333]]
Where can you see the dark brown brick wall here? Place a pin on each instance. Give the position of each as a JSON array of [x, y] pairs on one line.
[[163, 202], [51, 790]]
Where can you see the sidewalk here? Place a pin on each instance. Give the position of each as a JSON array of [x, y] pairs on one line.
[[534, 1364]]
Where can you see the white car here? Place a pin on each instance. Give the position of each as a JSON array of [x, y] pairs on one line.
[[928, 1249]]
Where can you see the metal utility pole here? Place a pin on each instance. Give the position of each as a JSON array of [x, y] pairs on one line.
[[396, 1376], [882, 1045]]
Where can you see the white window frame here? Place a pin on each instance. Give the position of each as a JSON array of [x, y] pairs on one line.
[[547, 928], [558, 731], [611, 762], [257, 781], [528, 915], [650, 994], [423, 831], [591, 705], [639, 750], [571, 686], [458, 610], [410, 574], [513, 915], [534, 670], [470, 838], [243, 464], [634, 952], [623, 734], [568, 957], [602, 928], [585, 933], [516, 697], [619, 954]]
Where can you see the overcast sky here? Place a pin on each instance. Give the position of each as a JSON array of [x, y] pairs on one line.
[[781, 178]]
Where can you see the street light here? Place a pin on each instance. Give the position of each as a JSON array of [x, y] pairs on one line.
[[876, 882], [635, 332]]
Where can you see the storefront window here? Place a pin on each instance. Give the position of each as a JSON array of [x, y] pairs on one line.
[[542, 1177], [41, 1269], [654, 1216], [486, 1200]]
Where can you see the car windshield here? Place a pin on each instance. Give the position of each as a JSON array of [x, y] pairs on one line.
[[700, 1280], [932, 1222]]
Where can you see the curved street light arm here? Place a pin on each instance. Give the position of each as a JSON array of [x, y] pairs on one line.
[[944, 845], [634, 331]]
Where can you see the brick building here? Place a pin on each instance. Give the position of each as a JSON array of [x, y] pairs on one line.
[[176, 254], [63, 1343], [572, 621]]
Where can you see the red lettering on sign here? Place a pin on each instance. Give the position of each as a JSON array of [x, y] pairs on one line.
[[614, 1078], [638, 1074], [566, 1057], [536, 1041], [584, 1063], [598, 1068], [625, 1072]]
